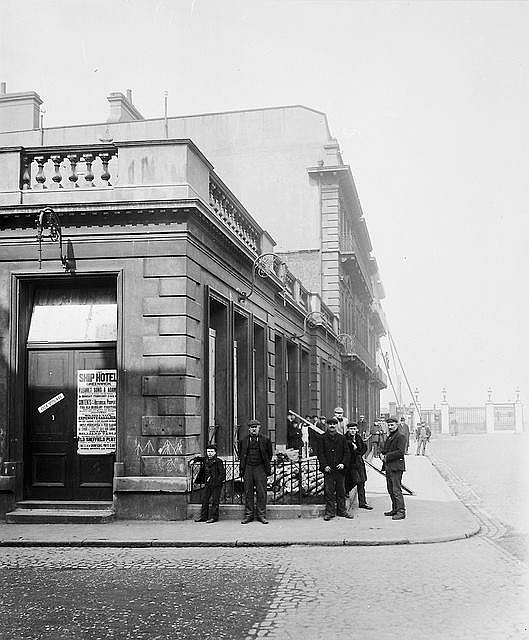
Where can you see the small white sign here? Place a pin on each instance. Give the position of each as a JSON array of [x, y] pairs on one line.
[[51, 402]]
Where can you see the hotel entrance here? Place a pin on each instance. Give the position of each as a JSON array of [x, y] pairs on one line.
[[71, 392]]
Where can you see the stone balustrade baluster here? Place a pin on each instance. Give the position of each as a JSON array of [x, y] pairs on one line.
[[57, 177], [88, 158], [105, 176], [73, 177], [26, 174], [40, 177]]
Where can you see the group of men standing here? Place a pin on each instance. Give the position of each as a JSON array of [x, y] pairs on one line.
[[340, 450], [341, 460]]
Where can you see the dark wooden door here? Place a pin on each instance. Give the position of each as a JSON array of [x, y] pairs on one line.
[[54, 469]]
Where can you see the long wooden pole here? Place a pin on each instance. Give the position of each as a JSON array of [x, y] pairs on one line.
[[318, 430]]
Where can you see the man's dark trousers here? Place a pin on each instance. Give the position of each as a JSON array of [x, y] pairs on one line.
[[210, 502], [254, 480], [361, 492], [334, 487], [394, 485]]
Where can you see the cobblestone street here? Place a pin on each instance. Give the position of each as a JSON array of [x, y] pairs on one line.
[[474, 588], [464, 589]]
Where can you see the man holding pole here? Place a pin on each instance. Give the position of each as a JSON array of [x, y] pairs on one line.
[[392, 456]]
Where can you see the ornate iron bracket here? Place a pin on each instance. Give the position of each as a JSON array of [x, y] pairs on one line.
[[48, 219], [309, 321], [344, 339], [259, 268]]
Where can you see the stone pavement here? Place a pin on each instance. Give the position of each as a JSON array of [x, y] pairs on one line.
[[434, 514]]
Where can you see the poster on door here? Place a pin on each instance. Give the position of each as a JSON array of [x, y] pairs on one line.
[[96, 411]]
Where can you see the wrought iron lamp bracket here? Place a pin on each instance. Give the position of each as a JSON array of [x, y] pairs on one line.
[[259, 269], [310, 321], [49, 219]]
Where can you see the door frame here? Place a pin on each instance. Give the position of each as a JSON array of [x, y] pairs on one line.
[[22, 286]]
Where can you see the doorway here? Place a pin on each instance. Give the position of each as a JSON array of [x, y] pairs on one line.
[[70, 390], [55, 468]]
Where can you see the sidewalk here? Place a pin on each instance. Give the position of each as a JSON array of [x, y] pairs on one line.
[[434, 514]]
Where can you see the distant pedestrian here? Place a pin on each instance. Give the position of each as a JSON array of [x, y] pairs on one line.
[[254, 466], [333, 456], [405, 430], [294, 434], [341, 420], [374, 440], [355, 472], [212, 475], [383, 435], [392, 456], [314, 436], [423, 434], [363, 427]]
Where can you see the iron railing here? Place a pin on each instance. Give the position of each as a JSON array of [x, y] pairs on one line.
[[293, 481]]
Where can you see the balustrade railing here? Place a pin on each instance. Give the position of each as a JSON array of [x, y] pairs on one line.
[[304, 297], [381, 376], [233, 214], [293, 481], [289, 283], [327, 317], [353, 347], [69, 167]]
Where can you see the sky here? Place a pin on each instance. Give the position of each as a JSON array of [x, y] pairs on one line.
[[430, 105]]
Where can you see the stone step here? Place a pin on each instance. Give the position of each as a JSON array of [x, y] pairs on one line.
[[273, 511], [59, 516], [65, 504]]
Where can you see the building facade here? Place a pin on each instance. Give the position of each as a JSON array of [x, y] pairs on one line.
[[144, 313]]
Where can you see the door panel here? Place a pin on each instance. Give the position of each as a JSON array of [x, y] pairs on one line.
[[49, 430], [55, 471]]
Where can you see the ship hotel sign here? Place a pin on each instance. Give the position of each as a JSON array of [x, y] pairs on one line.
[[96, 411]]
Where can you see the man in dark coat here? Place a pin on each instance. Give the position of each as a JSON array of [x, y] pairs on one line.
[[255, 456], [294, 434], [393, 464], [355, 472], [212, 475], [405, 430], [363, 428], [333, 456]]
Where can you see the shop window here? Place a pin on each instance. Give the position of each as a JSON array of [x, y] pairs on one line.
[[218, 428], [241, 389], [259, 377], [280, 391]]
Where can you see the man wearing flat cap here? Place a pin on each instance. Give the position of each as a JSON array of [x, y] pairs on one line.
[[254, 466], [392, 456]]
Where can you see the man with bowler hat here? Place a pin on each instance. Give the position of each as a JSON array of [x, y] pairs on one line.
[[392, 456], [255, 465]]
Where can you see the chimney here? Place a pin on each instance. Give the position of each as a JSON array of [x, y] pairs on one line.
[[19, 111], [122, 109]]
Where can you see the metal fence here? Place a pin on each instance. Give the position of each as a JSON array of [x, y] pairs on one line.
[[293, 481], [504, 417], [468, 420]]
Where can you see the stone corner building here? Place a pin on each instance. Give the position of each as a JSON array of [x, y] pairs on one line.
[[135, 326]]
